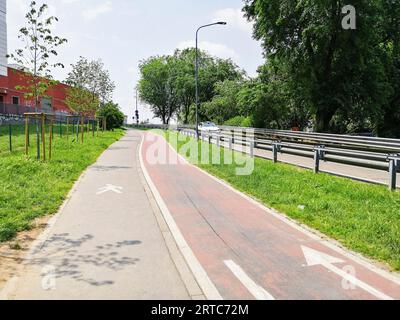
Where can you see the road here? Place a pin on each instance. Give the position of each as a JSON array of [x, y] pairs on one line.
[[239, 249]]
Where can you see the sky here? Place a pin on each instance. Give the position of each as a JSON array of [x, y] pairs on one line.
[[124, 32]]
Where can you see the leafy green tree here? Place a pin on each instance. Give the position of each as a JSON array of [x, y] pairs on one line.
[[168, 83], [224, 105], [39, 47], [82, 101], [332, 70], [157, 86], [113, 115], [388, 122], [93, 77]]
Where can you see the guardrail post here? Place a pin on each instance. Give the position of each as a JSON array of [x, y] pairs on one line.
[[316, 161], [218, 137], [319, 154], [252, 148], [231, 143], [276, 147], [394, 166], [209, 138]]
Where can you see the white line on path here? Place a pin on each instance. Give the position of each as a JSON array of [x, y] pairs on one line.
[[314, 258], [258, 292]]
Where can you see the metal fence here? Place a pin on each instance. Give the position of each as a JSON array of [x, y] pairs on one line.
[[359, 151], [33, 133]]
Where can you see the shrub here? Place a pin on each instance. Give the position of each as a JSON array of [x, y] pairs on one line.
[[111, 111], [239, 121]]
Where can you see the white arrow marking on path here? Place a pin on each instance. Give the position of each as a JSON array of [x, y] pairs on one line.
[[315, 258], [258, 292], [110, 187]]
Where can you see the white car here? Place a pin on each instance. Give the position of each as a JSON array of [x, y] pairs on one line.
[[208, 127]]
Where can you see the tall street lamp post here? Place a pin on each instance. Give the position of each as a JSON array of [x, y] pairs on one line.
[[197, 72]]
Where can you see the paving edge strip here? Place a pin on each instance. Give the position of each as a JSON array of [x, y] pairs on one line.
[[186, 275], [177, 244]]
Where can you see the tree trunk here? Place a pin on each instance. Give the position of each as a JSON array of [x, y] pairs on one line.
[[323, 119]]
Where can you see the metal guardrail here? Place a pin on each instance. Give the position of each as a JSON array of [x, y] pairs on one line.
[[366, 152], [372, 153]]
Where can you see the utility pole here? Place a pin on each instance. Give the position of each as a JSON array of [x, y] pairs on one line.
[[137, 110]]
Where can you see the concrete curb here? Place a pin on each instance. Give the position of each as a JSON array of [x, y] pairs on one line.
[[193, 288], [205, 283]]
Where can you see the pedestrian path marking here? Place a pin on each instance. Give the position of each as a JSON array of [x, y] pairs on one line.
[[258, 292], [110, 188]]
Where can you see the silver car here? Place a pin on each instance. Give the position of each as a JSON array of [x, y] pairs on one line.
[[208, 127]]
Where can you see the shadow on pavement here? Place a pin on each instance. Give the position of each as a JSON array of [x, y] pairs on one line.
[[61, 252]]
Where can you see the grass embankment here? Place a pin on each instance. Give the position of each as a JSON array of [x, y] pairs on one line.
[[363, 217], [31, 189]]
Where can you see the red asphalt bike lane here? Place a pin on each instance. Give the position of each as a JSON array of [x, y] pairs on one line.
[[250, 253]]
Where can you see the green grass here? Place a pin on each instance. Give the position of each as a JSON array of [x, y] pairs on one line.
[[363, 217], [17, 138], [18, 135], [31, 189]]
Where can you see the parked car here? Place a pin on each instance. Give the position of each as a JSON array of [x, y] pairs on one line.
[[208, 127]]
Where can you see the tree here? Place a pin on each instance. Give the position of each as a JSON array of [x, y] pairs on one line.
[[388, 122], [157, 86], [224, 104], [113, 115], [82, 101], [39, 46], [91, 76], [168, 82], [332, 70]]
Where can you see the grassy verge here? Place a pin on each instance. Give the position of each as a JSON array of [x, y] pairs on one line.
[[363, 217], [18, 135], [30, 189]]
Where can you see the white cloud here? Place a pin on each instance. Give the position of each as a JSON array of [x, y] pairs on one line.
[[234, 18], [93, 12], [215, 49]]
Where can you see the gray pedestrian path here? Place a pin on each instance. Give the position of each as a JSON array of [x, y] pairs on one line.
[[106, 242]]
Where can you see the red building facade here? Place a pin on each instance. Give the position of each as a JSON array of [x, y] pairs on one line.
[[10, 95]]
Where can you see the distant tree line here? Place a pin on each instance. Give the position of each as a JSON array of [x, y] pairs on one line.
[[168, 83], [316, 74]]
